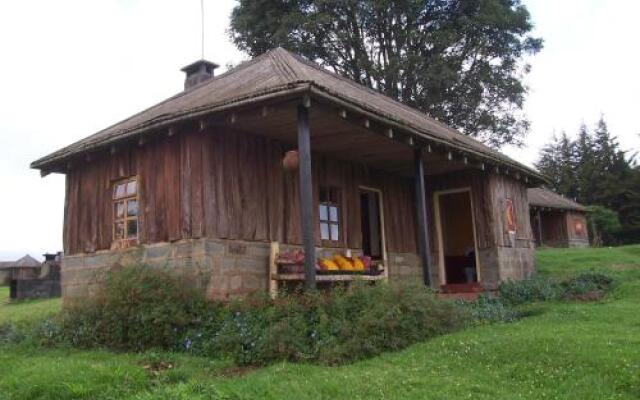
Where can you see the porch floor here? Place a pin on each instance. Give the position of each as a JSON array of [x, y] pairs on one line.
[[462, 291]]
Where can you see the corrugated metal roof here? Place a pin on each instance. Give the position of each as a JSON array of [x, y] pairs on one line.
[[277, 71]]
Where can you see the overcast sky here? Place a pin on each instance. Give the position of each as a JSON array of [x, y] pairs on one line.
[[69, 68]]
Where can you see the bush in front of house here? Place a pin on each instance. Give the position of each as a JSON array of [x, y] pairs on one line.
[[487, 310], [527, 290], [595, 283], [142, 308], [137, 308], [343, 325], [541, 289]]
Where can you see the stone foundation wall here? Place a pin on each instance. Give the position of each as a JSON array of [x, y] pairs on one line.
[[516, 263], [223, 268], [231, 268], [36, 288], [406, 267], [578, 243]]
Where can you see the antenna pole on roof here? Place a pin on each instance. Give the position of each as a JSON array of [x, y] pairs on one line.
[[202, 28]]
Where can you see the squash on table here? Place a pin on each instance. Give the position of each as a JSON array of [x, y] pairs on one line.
[[358, 265], [328, 264], [343, 263]]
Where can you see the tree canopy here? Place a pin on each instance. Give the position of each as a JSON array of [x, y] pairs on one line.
[[460, 61], [594, 170]]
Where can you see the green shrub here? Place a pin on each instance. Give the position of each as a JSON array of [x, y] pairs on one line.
[[137, 308], [335, 327], [527, 291], [486, 310], [586, 283]]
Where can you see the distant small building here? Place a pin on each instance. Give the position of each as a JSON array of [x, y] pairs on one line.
[[28, 278], [557, 221]]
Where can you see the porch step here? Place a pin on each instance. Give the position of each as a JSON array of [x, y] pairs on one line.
[[467, 296], [475, 287]]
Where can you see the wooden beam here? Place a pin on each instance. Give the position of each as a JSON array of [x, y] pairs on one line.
[[389, 133], [423, 224], [306, 198]]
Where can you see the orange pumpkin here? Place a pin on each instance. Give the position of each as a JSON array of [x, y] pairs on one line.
[[343, 263], [328, 265]]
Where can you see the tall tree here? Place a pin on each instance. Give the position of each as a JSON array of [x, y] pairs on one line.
[[558, 162], [594, 170], [460, 61]]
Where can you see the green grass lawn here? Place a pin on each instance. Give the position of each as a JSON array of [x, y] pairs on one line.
[[566, 350], [25, 311]]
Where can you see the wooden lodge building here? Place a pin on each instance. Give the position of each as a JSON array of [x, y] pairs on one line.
[[198, 183], [557, 221]]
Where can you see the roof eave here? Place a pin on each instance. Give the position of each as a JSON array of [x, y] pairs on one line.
[[424, 134], [48, 163]]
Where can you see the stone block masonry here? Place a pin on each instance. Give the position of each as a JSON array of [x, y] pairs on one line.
[[222, 268]]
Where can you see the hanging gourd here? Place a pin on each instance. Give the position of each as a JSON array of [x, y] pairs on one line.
[[291, 160]]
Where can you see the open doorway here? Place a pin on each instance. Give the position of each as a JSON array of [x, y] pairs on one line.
[[372, 223], [457, 238]]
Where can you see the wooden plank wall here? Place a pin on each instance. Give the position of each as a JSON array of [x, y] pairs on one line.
[[503, 188], [223, 184], [571, 219]]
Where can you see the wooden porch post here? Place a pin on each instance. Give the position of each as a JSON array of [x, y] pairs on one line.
[[539, 228], [423, 223], [306, 198]]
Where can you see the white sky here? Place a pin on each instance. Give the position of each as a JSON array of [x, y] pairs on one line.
[[69, 68]]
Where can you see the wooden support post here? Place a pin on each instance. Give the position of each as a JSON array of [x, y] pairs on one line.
[[422, 223], [273, 269], [306, 199], [539, 228]]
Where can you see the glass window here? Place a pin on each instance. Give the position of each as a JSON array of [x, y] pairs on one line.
[[329, 214], [324, 231], [125, 209], [132, 208]]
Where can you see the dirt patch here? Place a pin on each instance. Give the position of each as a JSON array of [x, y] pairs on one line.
[[155, 368], [594, 295], [623, 267], [237, 371]]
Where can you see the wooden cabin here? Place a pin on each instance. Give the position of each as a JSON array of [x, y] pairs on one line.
[[198, 183], [28, 278], [556, 220]]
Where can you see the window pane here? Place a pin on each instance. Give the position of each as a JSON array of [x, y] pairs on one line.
[[119, 230], [333, 214], [132, 187], [120, 190], [132, 228], [324, 215], [119, 210], [334, 232], [132, 208], [324, 231]]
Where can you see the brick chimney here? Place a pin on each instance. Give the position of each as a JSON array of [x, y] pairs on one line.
[[197, 72]]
